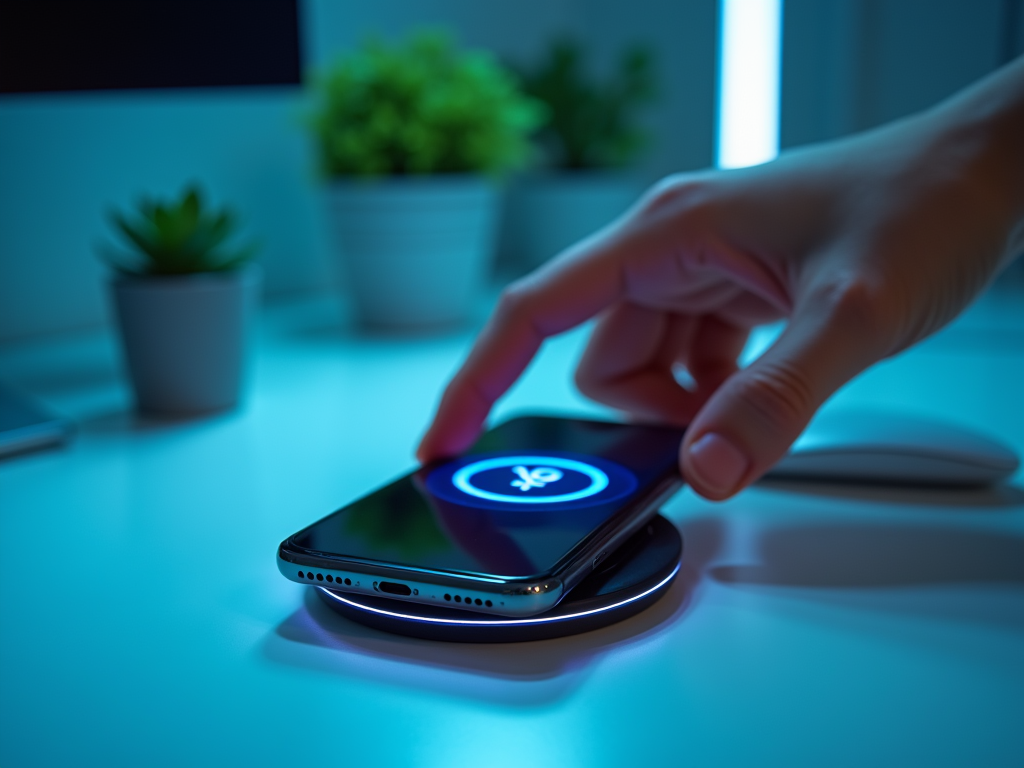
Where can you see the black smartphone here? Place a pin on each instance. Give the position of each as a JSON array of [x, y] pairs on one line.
[[507, 528]]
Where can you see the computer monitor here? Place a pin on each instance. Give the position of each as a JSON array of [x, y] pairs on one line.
[[84, 45]]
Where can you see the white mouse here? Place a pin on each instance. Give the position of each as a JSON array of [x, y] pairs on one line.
[[869, 446]]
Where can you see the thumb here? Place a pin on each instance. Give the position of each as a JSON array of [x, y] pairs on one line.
[[756, 415]]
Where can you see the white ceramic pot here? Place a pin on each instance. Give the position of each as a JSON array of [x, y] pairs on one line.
[[545, 213], [185, 339], [416, 250]]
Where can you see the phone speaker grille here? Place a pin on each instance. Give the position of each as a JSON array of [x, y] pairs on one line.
[[320, 577]]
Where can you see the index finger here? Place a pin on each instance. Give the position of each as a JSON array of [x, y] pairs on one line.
[[560, 295]]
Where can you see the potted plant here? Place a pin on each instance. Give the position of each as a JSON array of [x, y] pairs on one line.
[[411, 137], [183, 294], [589, 139]]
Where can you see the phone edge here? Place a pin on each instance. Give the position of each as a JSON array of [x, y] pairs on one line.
[[527, 597]]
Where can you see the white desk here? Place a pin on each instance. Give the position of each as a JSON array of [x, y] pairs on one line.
[[842, 627]]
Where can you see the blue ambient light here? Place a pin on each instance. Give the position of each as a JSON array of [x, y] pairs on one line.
[[543, 480]]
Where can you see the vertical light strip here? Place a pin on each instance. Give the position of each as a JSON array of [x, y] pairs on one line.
[[750, 52]]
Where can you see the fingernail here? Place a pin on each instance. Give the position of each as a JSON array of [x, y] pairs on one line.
[[719, 464]]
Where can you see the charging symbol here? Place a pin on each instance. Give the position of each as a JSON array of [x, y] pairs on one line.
[[538, 478], [488, 479], [524, 480]]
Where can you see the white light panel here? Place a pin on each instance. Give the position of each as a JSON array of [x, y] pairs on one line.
[[750, 51]]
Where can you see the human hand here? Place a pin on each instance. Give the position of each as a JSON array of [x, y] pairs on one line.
[[866, 245]]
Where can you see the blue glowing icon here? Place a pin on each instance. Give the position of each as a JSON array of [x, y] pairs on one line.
[[516, 480], [530, 486]]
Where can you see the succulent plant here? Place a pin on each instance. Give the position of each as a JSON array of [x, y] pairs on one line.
[[592, 124], [421, 106], [178, 237]]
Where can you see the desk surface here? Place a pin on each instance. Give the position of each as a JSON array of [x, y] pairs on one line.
[[826, 626]]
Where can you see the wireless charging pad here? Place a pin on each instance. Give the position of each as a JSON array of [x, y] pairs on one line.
[[632, 579]]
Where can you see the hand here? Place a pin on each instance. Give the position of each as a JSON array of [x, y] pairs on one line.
[[867, 245]]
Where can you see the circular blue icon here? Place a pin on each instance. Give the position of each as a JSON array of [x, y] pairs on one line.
[[532, 476], [520, 480]]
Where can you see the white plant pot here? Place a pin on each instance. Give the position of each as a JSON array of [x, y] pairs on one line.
[[545, 213], [415, 250], [185, 339]]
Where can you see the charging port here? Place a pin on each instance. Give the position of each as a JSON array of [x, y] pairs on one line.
[[394, 589]]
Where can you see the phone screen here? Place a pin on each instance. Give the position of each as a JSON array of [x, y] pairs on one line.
[[523, 497]]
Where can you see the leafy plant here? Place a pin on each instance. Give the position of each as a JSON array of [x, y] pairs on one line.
[[421, 107], [178, 237], [592, 124]]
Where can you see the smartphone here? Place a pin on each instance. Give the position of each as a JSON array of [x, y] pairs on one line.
[[26, 425], [507, 528]]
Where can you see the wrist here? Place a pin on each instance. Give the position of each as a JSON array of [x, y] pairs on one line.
[[984, 126]]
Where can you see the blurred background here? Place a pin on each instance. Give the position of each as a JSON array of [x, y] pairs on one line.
[[68, 157]]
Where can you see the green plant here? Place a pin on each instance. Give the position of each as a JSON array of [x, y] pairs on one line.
[[421, 107], [178, 237], [591, 124]]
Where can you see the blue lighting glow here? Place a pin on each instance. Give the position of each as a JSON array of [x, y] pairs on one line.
[[750, 49], [501, 622], [538, 478]]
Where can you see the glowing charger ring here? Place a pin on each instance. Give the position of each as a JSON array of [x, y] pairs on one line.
[[462, 479]]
